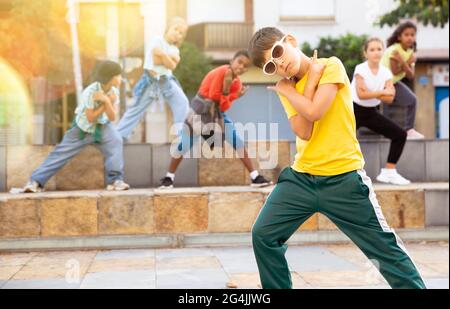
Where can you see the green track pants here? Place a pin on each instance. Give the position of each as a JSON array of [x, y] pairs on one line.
[[348, 200]]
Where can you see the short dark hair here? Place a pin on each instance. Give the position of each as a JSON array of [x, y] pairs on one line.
[[241, 53], [262, 41], [106, 70]]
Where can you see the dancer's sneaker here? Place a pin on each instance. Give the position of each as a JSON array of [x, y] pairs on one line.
[[261, 182], [33, 187], [118, 185], [391, 176], [166, 183]]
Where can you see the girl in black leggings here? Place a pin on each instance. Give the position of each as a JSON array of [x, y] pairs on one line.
[[372, 84]]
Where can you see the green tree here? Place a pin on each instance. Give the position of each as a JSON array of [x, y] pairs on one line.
[[193, 67], [35, 39], [434, 12], [348, 48]]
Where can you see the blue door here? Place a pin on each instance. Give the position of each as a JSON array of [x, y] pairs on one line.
[[442, 112]]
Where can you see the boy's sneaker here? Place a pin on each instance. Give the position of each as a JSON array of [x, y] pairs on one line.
[[33, 187], [118, 185], [261, 182], [166, 183], [391, 176]]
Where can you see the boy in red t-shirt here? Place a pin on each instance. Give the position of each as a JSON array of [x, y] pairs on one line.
[[220, 88]]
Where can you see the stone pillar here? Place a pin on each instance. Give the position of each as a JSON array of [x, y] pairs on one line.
[[426, 110]]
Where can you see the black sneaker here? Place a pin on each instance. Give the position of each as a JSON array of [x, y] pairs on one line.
[[261, 182], [166, 183]]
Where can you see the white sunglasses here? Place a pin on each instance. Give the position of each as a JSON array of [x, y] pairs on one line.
[[277, 51]]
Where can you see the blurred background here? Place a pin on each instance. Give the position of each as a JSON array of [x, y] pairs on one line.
[[48, 49]]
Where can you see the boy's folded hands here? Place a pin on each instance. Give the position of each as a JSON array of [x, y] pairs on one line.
[[103, 98], [112, 97], [98, 97], [283, 87]]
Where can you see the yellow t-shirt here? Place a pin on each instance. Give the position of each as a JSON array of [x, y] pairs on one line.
[[333, 148], [405, 54]]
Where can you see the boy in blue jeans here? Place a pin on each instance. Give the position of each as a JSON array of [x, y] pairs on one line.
[[158, 80], [92, 125]]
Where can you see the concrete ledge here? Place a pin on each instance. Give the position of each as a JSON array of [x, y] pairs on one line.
[[422, 161], [310, 237], [145, 164], [189, 211], [436, 208], [104, 242], [196, 240]]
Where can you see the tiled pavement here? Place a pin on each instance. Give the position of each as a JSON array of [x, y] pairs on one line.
[[321, 266]]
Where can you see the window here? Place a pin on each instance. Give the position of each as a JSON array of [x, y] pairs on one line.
[[201, 11], [305, 10]]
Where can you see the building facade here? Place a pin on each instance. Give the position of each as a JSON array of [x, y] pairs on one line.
[[120, 29]]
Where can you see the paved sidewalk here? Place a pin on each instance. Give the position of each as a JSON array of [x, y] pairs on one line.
[[321, 266]]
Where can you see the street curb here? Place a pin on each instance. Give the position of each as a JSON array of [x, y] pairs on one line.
[[196, 240]]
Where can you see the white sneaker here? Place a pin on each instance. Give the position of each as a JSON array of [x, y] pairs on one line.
[[33, 187], [118, 185], [391, 176], [414, 135]]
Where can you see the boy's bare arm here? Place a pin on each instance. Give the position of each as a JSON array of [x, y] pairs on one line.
[[110, 110], [106, 107], [312, 110], [114, 102], [93, 114], [227, 81], [304, 125], [161, 58], [301, 126], [175, 58]]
